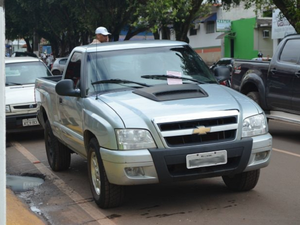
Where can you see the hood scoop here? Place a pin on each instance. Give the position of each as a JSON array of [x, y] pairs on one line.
[[171, 92]]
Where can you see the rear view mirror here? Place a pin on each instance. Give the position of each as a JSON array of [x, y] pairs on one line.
[[66, 88]]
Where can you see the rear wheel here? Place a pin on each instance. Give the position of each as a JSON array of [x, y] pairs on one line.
[[254, 96], [58, 155], [56, 72], [106, 195], [243, 181]]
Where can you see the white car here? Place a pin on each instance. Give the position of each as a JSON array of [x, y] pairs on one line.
[[59, 65], [20, 108]]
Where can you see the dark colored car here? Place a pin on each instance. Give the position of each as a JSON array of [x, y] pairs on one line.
[[224, 62]]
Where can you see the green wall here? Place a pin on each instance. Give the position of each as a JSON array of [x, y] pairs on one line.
[[243, 40]]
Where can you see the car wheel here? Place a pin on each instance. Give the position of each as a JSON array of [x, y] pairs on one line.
[[58, 155], [106, 195], [56, 72], [243, 181], [254, 96]]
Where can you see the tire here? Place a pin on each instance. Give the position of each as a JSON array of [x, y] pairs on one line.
[[106, 195], [242, 182], [254, 96], [56, 72], [58, 155]]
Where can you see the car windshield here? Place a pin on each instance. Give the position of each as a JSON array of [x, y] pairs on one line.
[[150, 66], [24, 72]]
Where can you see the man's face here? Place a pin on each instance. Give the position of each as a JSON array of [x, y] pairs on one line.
[[102, 38]]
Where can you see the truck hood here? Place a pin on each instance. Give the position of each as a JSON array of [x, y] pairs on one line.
[[132, 107], [19, 94]]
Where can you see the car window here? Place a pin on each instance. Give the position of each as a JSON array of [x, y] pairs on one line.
[[291, 51], [74, 67], [63, 61], [133, 64], [24, 72]]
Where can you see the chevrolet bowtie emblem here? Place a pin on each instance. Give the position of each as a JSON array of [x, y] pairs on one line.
[[201, 130]]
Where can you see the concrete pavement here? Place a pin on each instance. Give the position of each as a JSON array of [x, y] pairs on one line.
[[18, 213]]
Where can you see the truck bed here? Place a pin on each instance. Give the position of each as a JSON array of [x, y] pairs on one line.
[[243, 67]]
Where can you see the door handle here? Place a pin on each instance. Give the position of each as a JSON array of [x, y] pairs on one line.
[[297, 74], [60, 100], [273, 70]]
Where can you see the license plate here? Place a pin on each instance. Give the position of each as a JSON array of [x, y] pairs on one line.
[[30, 122], [206, 159]]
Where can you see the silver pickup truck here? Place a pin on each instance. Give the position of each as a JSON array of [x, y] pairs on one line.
[[150, 112]]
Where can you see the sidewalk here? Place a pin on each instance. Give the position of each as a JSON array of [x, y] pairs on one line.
[[18, 213]]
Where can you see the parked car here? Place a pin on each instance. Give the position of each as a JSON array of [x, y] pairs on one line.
[[20, 108], [224, 62], [144, 112], [274, 85], [20, 54], [59, 65]]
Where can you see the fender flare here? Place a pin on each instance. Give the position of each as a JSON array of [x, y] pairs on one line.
[[253, 82]]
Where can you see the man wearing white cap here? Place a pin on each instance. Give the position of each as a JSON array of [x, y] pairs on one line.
[[101, 35]]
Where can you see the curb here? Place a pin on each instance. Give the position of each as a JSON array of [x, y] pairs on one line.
[[18, 213]]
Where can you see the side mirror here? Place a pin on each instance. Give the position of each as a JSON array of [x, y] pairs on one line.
[[222, 73], [66, 88], [213, 66]]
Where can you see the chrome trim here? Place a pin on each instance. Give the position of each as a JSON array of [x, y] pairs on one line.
[[194, 116], [191, 131]]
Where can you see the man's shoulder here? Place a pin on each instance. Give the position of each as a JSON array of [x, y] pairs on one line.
[[95, 41]]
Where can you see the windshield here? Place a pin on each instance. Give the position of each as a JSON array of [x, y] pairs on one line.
[[134, 64], [24, 72]]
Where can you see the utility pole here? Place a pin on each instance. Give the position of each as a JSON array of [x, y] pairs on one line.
[[2, 119]]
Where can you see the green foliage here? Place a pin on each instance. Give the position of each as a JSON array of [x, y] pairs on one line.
[[66, 24], [179, 14]]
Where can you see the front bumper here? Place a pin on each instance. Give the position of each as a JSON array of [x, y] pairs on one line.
[[169, 165], [14, 123]]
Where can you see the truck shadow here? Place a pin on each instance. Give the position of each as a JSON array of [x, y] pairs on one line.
[[25, 136], [284, 130]]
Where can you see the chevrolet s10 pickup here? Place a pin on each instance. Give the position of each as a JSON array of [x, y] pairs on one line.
[[150, 112]]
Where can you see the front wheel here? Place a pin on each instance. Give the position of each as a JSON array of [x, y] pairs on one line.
[[106, 195], [58, 155], [242, 182]]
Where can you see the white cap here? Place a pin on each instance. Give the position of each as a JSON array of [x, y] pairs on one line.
[[102, 30]]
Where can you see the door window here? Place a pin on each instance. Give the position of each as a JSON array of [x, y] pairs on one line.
[[291, 51]]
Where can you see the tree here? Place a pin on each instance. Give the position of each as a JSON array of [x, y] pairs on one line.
[[66, 26], [290, 9], [176, 14]]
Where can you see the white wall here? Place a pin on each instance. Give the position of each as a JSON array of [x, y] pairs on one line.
[[203, 40], [2, 120]]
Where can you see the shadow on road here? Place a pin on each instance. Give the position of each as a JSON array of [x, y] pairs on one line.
[[284, 130], [26, 136]]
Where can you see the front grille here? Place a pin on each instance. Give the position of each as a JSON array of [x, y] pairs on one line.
[[29, 106], [216, 129]]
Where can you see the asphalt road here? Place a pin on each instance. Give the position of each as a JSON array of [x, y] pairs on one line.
[[65, 198]]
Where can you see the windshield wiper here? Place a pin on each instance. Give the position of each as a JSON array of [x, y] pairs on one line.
[[119, 81], [162, 77]]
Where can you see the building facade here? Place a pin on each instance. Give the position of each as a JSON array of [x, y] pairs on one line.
[[249, 34]]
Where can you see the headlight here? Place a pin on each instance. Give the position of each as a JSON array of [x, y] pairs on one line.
[[7, 108], [254, 125], [130, 139]]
